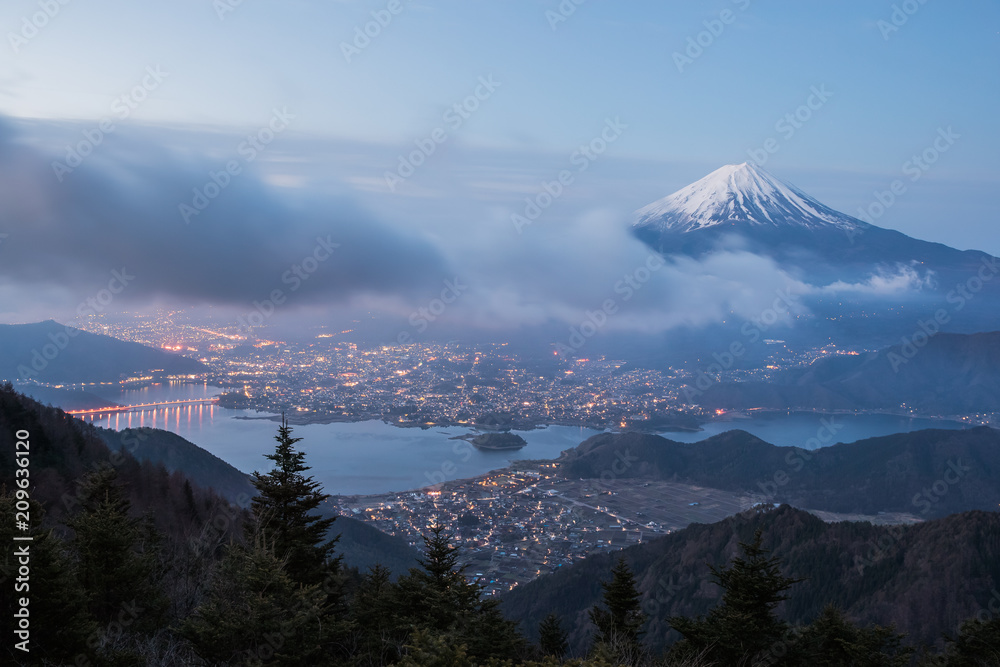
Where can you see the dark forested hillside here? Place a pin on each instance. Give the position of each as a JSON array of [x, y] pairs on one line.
[[360, 544], [64, 449], [942, 374], [52, 352], [167, 477], [917, 577], [929, 473], [176, 453]]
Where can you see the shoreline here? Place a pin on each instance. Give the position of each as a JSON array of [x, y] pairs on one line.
[[747, 415]]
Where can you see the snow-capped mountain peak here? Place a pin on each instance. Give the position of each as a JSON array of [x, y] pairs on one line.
[[737, 195]]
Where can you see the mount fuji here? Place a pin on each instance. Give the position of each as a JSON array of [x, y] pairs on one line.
[[743, 195], [776, 219], [846, 260]]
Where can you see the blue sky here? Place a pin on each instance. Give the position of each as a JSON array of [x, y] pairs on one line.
[[889, 87], [606, 58]]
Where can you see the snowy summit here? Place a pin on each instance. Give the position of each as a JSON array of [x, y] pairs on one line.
[[740, 194]]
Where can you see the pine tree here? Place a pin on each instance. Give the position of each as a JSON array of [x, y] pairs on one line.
[[256, 614], [744, 626], [60, 623], [117, 556], [619, 623], [977, 644], [552, 637], [376, 625], [429, 649], [832, 640], [437, 593], [438, 598], [283, 508]]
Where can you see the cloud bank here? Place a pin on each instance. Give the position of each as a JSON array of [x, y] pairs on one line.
[[185, 227]]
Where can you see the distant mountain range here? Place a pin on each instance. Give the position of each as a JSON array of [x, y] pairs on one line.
[[926, 578], [54, 353], [930, 473], [939, 374]]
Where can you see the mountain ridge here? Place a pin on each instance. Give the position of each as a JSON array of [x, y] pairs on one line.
[[907, 576], [55, 353], [894, 473], [940, 373]]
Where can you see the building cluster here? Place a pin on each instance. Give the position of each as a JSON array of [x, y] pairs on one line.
[[435, 384], [510, 526]]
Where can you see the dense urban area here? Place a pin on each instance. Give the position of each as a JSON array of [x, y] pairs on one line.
[[423, 384]]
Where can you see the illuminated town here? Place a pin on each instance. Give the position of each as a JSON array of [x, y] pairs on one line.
[[517, 524], [437, 384]]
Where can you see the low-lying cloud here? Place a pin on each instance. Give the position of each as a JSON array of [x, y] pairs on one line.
[[121, 209], [464, 272], [886, 282]]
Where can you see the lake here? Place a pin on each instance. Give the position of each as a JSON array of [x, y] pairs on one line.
[[806, 430], [347, 457], [375, 457]]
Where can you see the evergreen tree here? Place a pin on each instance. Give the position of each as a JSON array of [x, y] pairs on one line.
[[977, 644], [428, 649], [283, 507], [437, 594], [255, 614], [619, 623], [552, 637], [437, 597], [744, 627], [375, 624], [60, 623], [832, 640], [117, 556]]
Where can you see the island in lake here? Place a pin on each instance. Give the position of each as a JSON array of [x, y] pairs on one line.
[[498, 441]]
